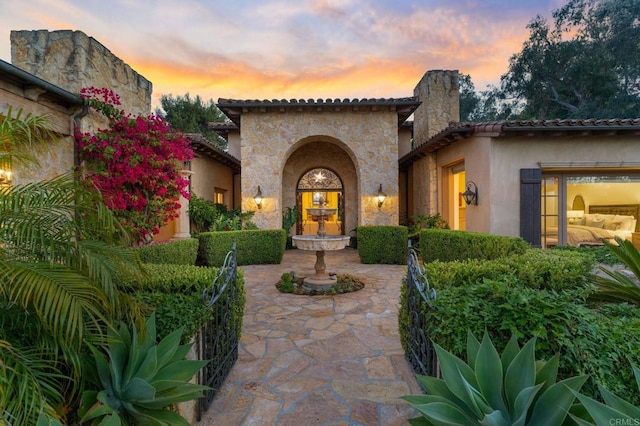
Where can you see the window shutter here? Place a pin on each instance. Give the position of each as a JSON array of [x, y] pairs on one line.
[[530, 187]]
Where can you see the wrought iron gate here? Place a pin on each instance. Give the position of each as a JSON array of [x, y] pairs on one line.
[[217, 341], [421, 354]]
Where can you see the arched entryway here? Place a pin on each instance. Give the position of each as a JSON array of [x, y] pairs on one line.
[[315, 184]]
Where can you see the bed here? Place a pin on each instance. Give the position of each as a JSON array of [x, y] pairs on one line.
[[604, 222]]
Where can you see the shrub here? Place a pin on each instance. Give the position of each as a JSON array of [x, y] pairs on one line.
[[542, 269], [600, 343], [382, 244], [253, 247], [175, 292], [420, 222], [207, 216], [179, 252], [446, 245]]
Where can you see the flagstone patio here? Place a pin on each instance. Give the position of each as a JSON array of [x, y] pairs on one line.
[[321, 360]]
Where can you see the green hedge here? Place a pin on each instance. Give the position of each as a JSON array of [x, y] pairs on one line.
[[382, 244], [178, 252], [253, 247], [536, 268], [446, 245], [175, 293], [600, 343]]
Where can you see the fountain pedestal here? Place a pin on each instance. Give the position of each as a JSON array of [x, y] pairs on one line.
[[320, 242]]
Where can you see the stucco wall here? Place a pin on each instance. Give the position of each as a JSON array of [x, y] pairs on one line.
[[208, 175], [72, 60], [370, 139]]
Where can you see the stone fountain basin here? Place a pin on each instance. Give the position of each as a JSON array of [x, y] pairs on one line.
[[321, 211], [315, 243]]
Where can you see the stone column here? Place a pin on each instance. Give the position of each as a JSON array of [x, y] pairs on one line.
[[183, 230]]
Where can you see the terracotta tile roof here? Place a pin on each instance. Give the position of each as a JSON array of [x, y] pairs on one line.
[[234, 108], [203, 147], [557, 127]]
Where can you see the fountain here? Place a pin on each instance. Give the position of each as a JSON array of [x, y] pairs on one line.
[[320, 242]]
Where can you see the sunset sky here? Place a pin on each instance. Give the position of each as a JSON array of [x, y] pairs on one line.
[[266, 49]]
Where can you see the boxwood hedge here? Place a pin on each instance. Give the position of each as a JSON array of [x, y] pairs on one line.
[[447, 245], [177, 252], [253, 247], [382, 244]]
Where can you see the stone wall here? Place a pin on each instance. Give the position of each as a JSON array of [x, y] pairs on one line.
[[72, 60], [438, 91], [370, 139]]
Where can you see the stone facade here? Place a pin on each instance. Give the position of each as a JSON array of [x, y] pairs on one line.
[[362, 147], [72, 60]]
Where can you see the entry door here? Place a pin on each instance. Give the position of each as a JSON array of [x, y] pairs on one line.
[[313, 185]]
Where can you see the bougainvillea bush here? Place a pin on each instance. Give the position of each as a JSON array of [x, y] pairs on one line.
[[135, 163]]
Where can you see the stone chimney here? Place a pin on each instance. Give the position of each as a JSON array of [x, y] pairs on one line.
[[72, 60], [438, 90]]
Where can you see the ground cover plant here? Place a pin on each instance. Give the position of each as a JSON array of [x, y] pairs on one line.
[[291, 283]]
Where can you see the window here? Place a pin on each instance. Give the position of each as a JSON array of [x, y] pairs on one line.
[[218, 196]]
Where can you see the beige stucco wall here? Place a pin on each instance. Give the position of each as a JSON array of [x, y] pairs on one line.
[[208, 175], [369, 138], [494, 165], [72, 60], [405, 137], [233, 143]]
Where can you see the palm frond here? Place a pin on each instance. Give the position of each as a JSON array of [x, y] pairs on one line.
[[22, 134], [615, 286]]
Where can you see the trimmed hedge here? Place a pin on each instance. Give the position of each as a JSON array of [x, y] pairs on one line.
[[253, 247], [177, 252], [175, 293], [446, 245], [382, 244], [536, 268], [600, 343]]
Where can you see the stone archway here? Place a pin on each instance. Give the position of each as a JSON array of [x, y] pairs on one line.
[[323, 153]]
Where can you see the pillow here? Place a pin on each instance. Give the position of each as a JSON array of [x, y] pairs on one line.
[[594, 222], [628, 222], [580, 221], [612, 226]]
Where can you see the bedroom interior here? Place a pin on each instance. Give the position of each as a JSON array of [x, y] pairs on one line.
[[599, 208]]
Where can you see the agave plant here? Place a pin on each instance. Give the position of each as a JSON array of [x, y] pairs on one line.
[[141, 379], [511, 389], [616, 286], [615, 410]]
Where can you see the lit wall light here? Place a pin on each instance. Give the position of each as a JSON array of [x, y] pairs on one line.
[[381, 197], [471, 194], [258, 198], [5, 176]]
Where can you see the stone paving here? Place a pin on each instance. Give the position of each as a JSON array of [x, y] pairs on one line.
[[321, 360]]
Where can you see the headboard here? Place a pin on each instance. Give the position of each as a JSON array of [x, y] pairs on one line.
[[619, 209]]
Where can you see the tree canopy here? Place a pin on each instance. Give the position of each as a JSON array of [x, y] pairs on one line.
[[584, 64], [192, 115]]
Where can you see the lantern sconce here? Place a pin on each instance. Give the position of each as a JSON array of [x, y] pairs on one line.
[[258, 198], [471, 194], [381, 197]]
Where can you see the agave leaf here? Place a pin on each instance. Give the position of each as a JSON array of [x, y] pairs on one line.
[[488, 369], [149, 366], [138, 390], [111, 420], [521, 372], [435, 386], [160, 417], [96, 411], [618, 403], [118, 351], [603, 414], [548, 373], [178, 394], [553, 405], [134, 354], [495, 418], [180, 354], [102, 367], [420, 421], [179, 370], [459, 377], [441, 411], [472, 349], [579, 421], [510, 351], [168, 347], [636, 372], [523, 403]]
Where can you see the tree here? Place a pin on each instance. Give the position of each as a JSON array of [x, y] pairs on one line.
[[585, 65], [193, 116], [59, 249], [135, 164], [488, 105]]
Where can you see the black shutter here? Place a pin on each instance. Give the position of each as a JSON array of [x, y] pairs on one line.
[[530, 187]]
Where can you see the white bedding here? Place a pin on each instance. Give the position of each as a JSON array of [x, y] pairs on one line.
[[592, 229]]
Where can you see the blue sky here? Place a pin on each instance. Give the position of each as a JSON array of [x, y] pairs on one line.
[[269, 49]]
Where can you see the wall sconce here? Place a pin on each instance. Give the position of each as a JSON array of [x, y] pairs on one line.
[[5, 176], [471, 194], [381, 197], [258, 198]]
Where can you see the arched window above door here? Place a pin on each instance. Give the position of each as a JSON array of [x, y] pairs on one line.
[[319, 179]]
